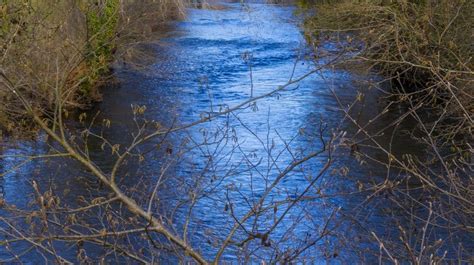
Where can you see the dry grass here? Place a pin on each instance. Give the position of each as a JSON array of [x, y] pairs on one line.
[[423, 47], [50, 49]]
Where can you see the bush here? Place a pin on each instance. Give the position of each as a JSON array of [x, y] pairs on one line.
[[423, 46], [66, 49]]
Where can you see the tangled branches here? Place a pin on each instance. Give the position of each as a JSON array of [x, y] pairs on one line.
[[423, 52]]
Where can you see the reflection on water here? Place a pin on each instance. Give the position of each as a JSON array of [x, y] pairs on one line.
[[212, 60]]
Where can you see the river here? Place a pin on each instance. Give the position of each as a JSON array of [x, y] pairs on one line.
[[211, 61]]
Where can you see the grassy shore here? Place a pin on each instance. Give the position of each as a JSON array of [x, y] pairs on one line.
[[424, 47], [66, 49]]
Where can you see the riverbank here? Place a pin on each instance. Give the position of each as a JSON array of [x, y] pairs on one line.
[[60, 55], [423, 49]]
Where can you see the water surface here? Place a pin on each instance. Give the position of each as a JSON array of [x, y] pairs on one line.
[[212, 61]]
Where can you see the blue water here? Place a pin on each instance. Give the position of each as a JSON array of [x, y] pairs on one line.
[[209, 62]]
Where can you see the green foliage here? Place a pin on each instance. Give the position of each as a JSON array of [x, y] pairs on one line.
[[102, 23]]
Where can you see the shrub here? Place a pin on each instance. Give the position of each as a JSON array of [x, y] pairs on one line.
[[423, 46], [66, 49], [101, 23]]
